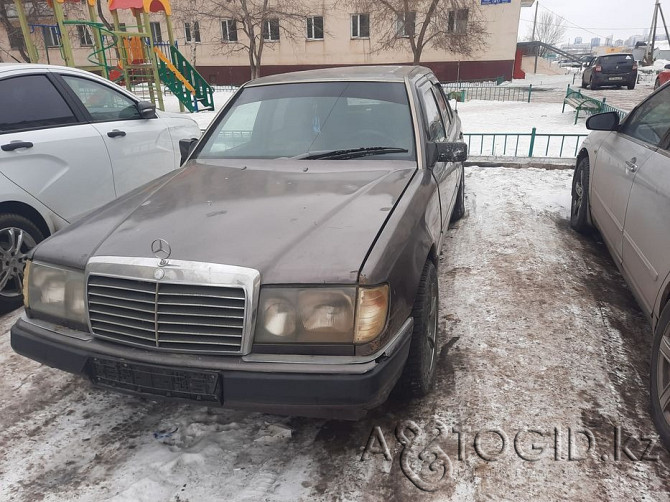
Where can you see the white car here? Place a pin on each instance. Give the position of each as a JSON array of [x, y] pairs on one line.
[[71, 141]]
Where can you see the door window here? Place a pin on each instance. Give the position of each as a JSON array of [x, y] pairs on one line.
[[104, 104], [32, 102], [434, 124], [443, 104], [651, 121]]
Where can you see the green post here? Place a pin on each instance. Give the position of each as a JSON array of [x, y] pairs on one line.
[[30, 46], [462, 95], [530, 91], [97, 39], [124, 60], [154, 63], [532, 142], [65, 41]]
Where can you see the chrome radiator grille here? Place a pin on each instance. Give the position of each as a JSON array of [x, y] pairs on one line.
[[167, 316]]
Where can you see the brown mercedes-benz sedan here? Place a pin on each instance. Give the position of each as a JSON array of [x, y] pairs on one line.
[[291, 264], [622, 186]]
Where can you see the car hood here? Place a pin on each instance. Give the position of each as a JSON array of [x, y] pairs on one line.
[[296, 222]]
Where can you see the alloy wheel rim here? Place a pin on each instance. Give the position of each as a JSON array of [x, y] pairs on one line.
[[663, 376], [15, 244], [579, 193]]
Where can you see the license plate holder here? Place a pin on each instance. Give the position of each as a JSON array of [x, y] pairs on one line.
[[616, 78], [175, 383]]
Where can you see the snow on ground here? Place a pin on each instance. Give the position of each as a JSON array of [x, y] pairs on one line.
[[538, 334]]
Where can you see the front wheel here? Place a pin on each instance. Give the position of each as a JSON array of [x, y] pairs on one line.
[[660, 378], [18, 236], [418, 376], [579, 211]]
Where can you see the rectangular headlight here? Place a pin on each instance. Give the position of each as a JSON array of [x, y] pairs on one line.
[[56, 294], [321, 315], [306, 315]]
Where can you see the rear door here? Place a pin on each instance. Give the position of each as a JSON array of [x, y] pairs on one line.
[[140, 149], [47, 149], [646, 236]]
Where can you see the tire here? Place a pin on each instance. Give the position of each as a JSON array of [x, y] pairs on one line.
[[594, 87], [459, 207], [418, 376], [18, 235], [631, 86], [657, 84], [584, 84], [659, 378], [579, 209]]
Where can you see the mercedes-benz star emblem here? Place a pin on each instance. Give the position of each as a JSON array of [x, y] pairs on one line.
[[161, 250]]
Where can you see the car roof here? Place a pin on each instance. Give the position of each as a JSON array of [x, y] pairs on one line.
[[31, 67], [386, 73]]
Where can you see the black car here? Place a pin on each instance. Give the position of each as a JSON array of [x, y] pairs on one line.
[[610, 70]]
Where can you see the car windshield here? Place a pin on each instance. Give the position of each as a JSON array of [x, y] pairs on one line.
[[308, 120]]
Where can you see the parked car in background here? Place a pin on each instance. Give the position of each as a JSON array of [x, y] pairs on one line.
[[71, 141], [610, 70], [662, 77], [290, 266], [622, 187]]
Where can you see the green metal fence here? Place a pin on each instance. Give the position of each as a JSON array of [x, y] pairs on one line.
[[490, 93], [532, 144]]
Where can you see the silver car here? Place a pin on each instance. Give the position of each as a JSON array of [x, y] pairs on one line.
[[71, 141], [621, 186]]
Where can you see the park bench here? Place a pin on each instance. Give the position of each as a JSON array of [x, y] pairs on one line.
[[581, 103]]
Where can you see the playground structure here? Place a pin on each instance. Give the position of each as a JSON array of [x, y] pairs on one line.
[[127, 55]]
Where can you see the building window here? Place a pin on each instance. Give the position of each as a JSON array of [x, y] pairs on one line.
[[360, 26], [405, 24], [84, 34], [15, 36], [457, 21], [271, 30], [229, 30], [192, 32], [156, 32], [51, 36], [315, 28]]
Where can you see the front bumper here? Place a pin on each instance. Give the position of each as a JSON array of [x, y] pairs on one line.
[[301, 387]]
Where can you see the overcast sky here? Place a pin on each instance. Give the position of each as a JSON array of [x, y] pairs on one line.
[[598, 18]]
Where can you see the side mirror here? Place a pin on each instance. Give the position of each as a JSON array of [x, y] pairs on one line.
[[608, 121], [186, 146], [447, 152], [147, 110]]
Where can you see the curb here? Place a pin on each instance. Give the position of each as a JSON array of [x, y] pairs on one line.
[[522, 162]]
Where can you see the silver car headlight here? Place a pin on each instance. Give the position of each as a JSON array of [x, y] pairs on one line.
[[321, 314], [55, 294]]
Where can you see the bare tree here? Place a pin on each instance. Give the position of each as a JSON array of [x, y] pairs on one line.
[[455, 26], [192, 13], [550, 29], [9, 21], [253, 25]]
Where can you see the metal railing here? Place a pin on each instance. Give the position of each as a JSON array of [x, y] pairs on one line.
[[490, 93], [532, 144]]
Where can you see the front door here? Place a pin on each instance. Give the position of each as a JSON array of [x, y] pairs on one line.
[[646, 235], [141, 150], [617, 160]]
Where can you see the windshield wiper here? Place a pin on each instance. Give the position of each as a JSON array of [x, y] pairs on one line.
[[351, 153]]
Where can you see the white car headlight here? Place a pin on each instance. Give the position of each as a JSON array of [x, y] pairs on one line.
[[55, 294]]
